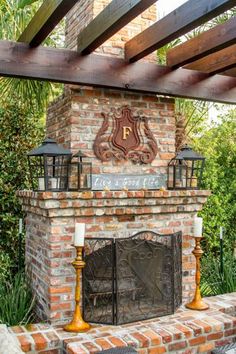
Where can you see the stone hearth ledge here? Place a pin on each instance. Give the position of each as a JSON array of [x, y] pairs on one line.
[[185, 332]]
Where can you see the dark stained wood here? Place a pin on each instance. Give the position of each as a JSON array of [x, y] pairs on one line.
[[230, 72], [59, 65], [115, 16], [216, 63], [209, 42], [45, 20], [182, 20]]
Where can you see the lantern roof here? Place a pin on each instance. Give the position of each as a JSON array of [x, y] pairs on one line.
[[49, 147], [79, 154], [187, 153]]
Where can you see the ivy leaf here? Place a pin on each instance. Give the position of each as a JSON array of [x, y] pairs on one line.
[[23, 3]]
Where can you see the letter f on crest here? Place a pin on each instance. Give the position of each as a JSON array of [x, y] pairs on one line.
[[126, 132]]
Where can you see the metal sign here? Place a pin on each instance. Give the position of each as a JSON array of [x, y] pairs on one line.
[[130, 182], [124, 136]]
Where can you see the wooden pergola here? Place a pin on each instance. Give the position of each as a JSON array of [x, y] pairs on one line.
[[201, 68]]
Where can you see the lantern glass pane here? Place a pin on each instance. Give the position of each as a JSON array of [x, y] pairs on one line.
[[180, 175], [73, 177], [194, 173], [171, 176], [57, 172], [37, 172], [177, 174], [80, 177], [85, 175]]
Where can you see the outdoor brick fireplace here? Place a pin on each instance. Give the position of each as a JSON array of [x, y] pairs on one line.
[[50, 226], [77, 120]]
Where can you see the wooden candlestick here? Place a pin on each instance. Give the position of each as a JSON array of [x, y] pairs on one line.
[[197, 303], [77, 324]]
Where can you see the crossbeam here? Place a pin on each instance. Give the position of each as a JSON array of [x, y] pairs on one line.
[[230, 72], [209, 42], [66, 66], [115, 16], [182, 20], [45, 20], [222, 60]]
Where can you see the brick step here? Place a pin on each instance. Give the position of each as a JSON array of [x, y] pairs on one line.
[[185, 332]]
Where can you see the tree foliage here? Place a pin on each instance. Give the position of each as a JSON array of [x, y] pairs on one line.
[[23, 3], [20, 131], [14, 18], [218, 144]]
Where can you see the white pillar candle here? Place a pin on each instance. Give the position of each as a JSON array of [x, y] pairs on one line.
[[197, 227], [54, 182], [20, 226], [79, 235], [41, 184], [221, 233]]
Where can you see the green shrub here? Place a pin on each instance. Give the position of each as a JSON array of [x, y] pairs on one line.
[[5, 266], [20, 131], [16, 301], [218, 145], [213, 282]]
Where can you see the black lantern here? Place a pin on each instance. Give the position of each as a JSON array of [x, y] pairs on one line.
[[185, 169], [49, 166], [80, 173]]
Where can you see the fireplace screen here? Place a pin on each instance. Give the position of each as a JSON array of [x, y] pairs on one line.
[[132, 279]]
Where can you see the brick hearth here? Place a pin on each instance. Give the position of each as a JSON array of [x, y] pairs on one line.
[[186, 332]]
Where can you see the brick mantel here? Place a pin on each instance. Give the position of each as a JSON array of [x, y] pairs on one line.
[[98, 203]]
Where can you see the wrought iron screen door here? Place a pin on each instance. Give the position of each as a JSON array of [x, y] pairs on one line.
[[132, 279]]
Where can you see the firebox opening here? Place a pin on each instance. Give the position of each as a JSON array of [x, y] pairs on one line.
[[132, 279]]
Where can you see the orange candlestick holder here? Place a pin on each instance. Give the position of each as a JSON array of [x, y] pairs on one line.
[[197, 303], [78, 324]]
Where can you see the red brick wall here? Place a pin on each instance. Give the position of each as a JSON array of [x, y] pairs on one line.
[[75, 121], [78, 18], [86, 10]]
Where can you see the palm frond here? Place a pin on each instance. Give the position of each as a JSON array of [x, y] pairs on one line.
[[13, 20]]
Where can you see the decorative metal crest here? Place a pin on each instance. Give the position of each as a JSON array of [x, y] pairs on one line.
[[124, 136]]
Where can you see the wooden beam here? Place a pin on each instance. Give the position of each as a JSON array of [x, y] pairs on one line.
[[115, 16], [209, 42], [182, 20], [45, 20], [230, 72], [66, 66], [222, 60]]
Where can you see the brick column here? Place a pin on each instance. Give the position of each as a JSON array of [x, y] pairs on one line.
[[75, 120], [85, 11]]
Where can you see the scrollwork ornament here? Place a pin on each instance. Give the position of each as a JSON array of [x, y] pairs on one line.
[[124, 136]]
